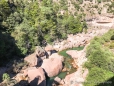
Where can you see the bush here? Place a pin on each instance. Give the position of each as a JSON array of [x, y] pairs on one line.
[[112, 37], [97, 76], [6, 77], [100, 61], [111, 45]]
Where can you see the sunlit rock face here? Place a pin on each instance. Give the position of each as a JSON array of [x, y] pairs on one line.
[[52, 66], [36, 76]]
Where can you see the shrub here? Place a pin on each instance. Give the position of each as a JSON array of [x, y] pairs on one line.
[[111, 45], [112, 37], [97, 76], [100, 61], [6, 77]]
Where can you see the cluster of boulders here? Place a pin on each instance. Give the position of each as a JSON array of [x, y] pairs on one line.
[[80, 39], [40, 67], [77, 78], [47, 62]]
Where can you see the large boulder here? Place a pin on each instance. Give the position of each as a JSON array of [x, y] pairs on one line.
[[74, 79], [31, 59], [78, 56], [72, 53], [40, 52], [36, 76], [52, 66]]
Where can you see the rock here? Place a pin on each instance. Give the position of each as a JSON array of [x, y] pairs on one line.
[[57, 80], [40, 52], [31, 59], [19, 77], [85, 73], [74, 79], [43, 57], [67, 78], [48, 48], [52, 66], [72, 53], [56, 47], [78, 56], [56, 55], [62, 82], [36, 76], [74, 64], [64, 69]]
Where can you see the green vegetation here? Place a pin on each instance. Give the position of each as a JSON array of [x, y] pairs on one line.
[[5, 77], [24, 25], [100, 60], [99, 1], [111, 8]]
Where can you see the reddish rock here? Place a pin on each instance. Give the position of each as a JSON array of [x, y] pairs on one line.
[[67, 78], [64, 70], [36, 76], [52, 66], [48, 48], [57, 80], [85, 73], [72, 53], [56, 55], [32, 59]]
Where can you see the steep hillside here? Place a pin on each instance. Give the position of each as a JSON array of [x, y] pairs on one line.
[[57, 26]]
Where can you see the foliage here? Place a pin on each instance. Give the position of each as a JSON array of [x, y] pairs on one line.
[[6, 77], [98, 75], [111, 8], [99, 1], [8, 49], [111, 45], [112, 37], [25, 28], [100, 60], [4, 10]]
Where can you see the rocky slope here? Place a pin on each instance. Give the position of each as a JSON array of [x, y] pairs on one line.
[[45, 62], [51, 65]]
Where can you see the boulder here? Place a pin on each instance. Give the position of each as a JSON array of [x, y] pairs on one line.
[[57, 80], [78, 56], [67, 78], [74, 79], [48, 48], [52, 66], [31, 59], [72, 53], [19, 77], [56, 55], [40, 52], [85, 73], [36, 76]]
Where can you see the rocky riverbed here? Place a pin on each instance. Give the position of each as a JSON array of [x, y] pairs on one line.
[[46, 62]]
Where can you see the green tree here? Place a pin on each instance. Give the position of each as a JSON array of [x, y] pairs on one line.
[[4, 10]]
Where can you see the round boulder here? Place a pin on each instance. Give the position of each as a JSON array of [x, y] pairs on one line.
[[52, 66]]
